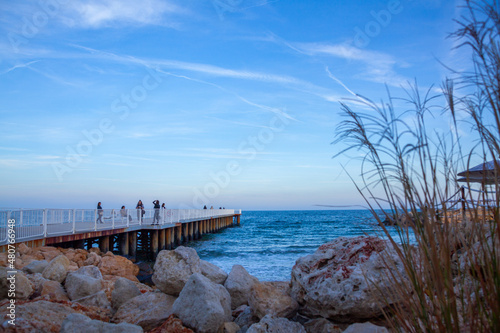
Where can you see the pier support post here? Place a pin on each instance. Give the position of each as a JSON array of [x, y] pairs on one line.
[[132, 242], [238, 219], [178, 234], [79, 244], [191, 231], [123, 244], [154, 243], [162, 239], [197, 230], [168, 238], [104, 244]]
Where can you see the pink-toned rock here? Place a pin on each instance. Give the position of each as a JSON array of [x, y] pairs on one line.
[[57, 269], [95, 250], [272, 298], [49, 252], [92, 259], [118, 266], [21, 248], [4, 259], [54, 290], [332, 282]]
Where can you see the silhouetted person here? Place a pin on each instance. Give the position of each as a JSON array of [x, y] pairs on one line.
[[140, 210], [99, 212], [156, 218]]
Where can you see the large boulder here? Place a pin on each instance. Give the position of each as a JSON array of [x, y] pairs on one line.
[[36, 266], [147, 310], [365, 328], [47, 252], [239, 283], [123, 290], [214, 273], [173, 269], [54, 290], [77, 323], [118, 266], [244, 319], [38, 316], [84, 282], [272, 298], [57, 269], [92, 259], [269, 324], [203, 305], [99, 300], [17, 283], [332, 282]]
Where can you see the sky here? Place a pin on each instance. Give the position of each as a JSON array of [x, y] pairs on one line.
[[231, 103]]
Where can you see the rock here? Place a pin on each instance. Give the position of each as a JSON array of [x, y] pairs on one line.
[[57, 269], [173, 268], [21, 248], [80, 284], [172, 325], [332, 282], [229, 327], [38, 316], [4, 257], [76, 323], [98, 299], [23, 287], [37, 281], [95, 250], [203, 305], [49, 252], [108, 254], [124, 290], [54, 290], [118, 266], [148, 310], [213, 272], [246, 318], [36, 266], [268, 324], [239, 283], [272, 298], [365, 328], [90, 271], [321, 325], [92, 259]]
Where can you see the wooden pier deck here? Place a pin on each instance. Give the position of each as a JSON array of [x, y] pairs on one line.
[[122, 231]]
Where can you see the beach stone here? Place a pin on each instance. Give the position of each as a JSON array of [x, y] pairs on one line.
[[84, 282], [203, 305], [229, 327], [57, 269], [321, 325], [98, 299], [365, 328], [118, 266], [239, 283], [246, 318], [172, 325], [92, 259], [272, 298], [332, 282], [22, 249], [268, 324], [78, 323], [173, 268], [147, 310], [211, 271], [123, 290], [38, 316], [54, 290], [36, 266]]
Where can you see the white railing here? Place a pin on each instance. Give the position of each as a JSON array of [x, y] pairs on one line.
[[40, 223]]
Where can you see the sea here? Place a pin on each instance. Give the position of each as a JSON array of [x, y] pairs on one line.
[[267, 243]]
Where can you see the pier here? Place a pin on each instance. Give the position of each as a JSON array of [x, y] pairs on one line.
[[124, 231]]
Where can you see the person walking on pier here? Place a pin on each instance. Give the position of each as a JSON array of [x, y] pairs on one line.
[[99, 212], [140, 210], [156, 218]]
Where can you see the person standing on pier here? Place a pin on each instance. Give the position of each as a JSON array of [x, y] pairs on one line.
[[140, 210], [156, 218], [99, 212]]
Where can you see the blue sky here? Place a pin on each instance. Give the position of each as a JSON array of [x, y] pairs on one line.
[[228, 103]]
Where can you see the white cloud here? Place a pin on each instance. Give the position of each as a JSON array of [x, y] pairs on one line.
[[96, 14]]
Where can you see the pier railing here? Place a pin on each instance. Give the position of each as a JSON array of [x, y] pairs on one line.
[[28, 224]]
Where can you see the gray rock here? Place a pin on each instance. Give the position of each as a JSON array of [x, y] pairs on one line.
[[147, 310], [239, 283], [214, 273], [36, 266], [92, 271], [81, 285], [78, 323], [203, 305], [123, 291], [98, 299], [246, 318], [57, 269], [173, 269], [229, 327], [272, 298], [321, 325], [365, 328], [268, 324]]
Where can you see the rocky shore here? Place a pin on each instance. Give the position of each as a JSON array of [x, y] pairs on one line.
[[74, 290]]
